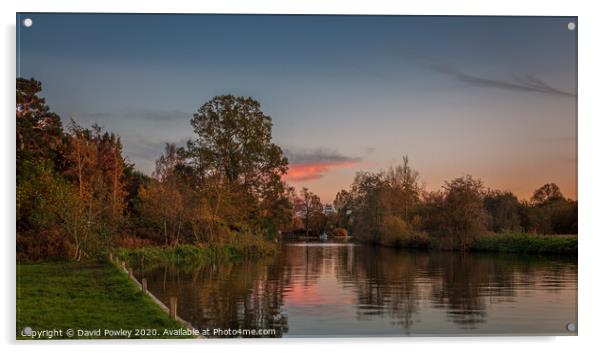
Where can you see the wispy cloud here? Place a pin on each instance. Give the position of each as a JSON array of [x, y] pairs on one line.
[[310, 165], [528, 83], [142, 147], [141, 114]]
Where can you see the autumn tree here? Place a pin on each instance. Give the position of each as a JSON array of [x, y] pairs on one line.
[[402, 183], [504, 210], [547, 193], [550, 212], [309, 207], [464, 214], [367, 191], [96, 167], [343, 204], [233, 157], [39, 131], [161, 200]]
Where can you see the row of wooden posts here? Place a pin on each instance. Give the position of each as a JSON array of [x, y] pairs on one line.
[[173, 301]]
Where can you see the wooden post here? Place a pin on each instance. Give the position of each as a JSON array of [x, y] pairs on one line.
[[111, 257], [173, 307], [130, 272], [144, 286]]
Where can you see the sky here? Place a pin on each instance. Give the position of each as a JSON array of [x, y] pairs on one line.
[[494, 97]]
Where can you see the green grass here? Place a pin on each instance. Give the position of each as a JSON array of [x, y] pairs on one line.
[[527, 243], [192, 256], [71, 295]]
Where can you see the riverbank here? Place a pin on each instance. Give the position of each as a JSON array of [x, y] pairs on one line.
[[95, 299], [518, 243], [194, 255], [524, 243]]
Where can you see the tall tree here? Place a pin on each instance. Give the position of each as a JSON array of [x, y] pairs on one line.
[[39, 131], [547, 193], [234, 138], [235, 159], [464, 211], [162, 202], [309, 206]]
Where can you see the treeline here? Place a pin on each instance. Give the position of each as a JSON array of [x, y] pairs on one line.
[[78, 196], [392, 208]]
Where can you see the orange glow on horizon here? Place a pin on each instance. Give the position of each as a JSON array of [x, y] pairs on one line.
[[312, 171]]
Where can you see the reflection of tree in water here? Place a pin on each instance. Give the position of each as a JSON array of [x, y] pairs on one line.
[[469, 283], [386, 283], [392, 283], [307, 263], [459, 287], [246, 295]]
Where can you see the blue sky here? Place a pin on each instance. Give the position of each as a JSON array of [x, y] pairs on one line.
[[489, 96]]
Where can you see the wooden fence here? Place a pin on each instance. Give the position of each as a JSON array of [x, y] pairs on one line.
[[172, 310]]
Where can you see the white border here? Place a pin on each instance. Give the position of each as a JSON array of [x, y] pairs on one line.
[[589, 166]]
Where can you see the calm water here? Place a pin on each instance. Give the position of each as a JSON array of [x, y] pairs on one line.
[[329, 289]]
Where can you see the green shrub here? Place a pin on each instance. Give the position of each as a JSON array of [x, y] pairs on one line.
[[188, 255], [527, 243]]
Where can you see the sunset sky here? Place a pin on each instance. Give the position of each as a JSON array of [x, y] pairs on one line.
[[494, 97]]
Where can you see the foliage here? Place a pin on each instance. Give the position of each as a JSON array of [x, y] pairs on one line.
[[39, 131], [527, 243], [309, 207], [48, 215], [78, 197], [194, 255], [464, 217], [504, 211], [390, 208], [340, 232]]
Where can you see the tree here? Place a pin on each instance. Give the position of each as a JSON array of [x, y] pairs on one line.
[[404, 191], [367, 191], [233, 157], [547, 193], [39, 131], [309, 206], [550, 212], [504, 210], [161, 200], [50, 223], [464, 211], [96, 167], [234, 139]]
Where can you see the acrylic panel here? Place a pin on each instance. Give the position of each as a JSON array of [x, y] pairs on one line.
[[219, 176]]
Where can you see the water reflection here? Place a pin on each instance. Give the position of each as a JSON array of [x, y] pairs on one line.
[[346, 289]]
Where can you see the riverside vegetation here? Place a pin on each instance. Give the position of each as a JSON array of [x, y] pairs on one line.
[[79, 198], [222, 196]]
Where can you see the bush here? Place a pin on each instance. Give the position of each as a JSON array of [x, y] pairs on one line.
[[527, 243], [340, 232], [188, 255], [393, 231]]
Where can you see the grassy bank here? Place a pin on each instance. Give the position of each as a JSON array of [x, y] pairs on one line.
[[194, 255], [86, 296], [519, 243], [524, 243]]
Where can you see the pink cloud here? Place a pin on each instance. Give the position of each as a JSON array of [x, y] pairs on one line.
[[315, 170]]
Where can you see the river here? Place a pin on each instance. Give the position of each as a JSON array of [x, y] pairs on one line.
[[344, 289]]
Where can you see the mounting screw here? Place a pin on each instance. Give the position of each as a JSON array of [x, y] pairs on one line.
[[571, 327], [571, 26]]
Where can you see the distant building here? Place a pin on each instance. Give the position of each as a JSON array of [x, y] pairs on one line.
[[329, 209]]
